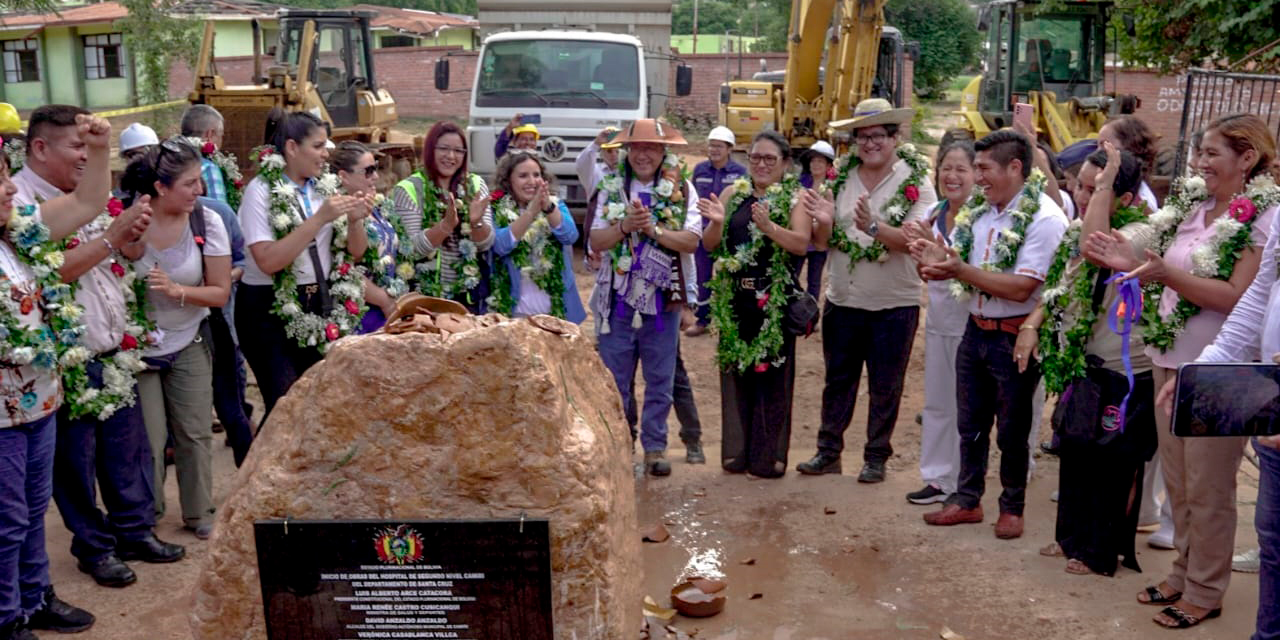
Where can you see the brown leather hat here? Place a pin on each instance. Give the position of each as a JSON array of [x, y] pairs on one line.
[[650, 130]]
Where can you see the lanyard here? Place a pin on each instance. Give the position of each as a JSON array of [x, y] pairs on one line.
[[305, 196]]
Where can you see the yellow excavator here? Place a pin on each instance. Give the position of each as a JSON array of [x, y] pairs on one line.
[[838, 53], [323, 64], [1052, 60]]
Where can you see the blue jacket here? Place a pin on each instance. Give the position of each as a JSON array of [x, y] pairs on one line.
[[708, 179], [566, 234], [232, 222]]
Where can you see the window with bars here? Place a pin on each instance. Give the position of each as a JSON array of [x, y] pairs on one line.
[[21, 60], [103, 57]]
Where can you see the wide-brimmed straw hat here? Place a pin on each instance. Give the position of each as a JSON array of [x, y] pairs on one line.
[[650, 130], [874, 112]]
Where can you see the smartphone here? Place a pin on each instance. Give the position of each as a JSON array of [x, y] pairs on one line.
[[646, 198], [1024, 114], [531, 118], [1227, 399]]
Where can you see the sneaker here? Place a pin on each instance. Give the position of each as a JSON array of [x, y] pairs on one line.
[[928, 495], [822, 463], [1162, 539], [1053, 495], [655, 463], [57, 615], [1248, 562], [693, 453]]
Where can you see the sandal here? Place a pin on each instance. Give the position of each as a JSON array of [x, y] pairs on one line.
[[1051, 550], [1182, 619], [1077, 567], [1155, 596]]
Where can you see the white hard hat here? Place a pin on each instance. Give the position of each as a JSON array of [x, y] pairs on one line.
[[137, 135], [723, 134], [823, 148]]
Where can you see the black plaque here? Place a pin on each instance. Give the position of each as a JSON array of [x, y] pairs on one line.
[[381, 580]]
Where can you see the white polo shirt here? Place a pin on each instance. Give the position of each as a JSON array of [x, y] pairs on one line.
[[1034, 256]]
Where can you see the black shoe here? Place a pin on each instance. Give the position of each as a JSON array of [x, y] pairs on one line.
[[1048, 449], [928, 495], [872, 472], [15, 631], [110, 571], [150, 549], [57, 615], [693, 453], [822, 463]]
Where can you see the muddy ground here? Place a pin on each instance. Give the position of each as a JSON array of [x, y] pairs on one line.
[[833, 559]]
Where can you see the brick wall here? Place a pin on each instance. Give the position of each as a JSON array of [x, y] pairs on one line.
[[1161, 99]]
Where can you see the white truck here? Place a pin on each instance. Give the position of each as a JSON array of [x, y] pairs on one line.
[[577, 75]]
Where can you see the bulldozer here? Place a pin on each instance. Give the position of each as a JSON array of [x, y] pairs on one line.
[[1052, 60], [861, 58], [324, 65]]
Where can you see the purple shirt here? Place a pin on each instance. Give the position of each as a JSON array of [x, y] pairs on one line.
[[708, 179]]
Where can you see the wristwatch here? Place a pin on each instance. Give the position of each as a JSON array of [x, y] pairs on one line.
[[873, 228]]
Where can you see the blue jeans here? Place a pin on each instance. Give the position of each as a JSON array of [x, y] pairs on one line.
[[26, 481], [1266, 519], [656, 348], [702, 262], [113, 456]]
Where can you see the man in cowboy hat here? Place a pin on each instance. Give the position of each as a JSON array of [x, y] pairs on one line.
[[991, 386], [638, 297], [873, 300]]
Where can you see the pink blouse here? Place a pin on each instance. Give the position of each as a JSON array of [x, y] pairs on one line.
[[1203, 327]]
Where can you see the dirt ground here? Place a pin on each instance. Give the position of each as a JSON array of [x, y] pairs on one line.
[[832, 559]]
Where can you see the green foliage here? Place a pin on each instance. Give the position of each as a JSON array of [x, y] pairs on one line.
[[948, 35], [919, 134], [465, 7], [28, 5], [156, 39], [1173, 35], [714, 16], [773, 18]]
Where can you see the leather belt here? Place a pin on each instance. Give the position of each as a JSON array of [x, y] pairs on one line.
[[751, 284], [1007, 325], [311, 289]]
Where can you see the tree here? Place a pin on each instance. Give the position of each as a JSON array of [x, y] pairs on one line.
[[1172, 35], [948, 35], [465, 7], [33, 6], [714, 16], [156, 39]]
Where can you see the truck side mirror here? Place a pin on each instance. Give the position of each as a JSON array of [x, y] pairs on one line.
[[984, 18], [684, 80], [442, 74], [724, 94]]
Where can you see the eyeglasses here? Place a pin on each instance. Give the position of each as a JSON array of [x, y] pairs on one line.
[[370, 170], [875, 138], [457, 151], [764, 159]]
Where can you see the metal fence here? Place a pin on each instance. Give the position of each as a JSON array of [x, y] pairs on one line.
[[1212, 94]]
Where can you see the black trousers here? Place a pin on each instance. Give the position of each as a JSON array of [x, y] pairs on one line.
[[755, 409], [276, 359], [882, 341], [990, 389], [228, 386]]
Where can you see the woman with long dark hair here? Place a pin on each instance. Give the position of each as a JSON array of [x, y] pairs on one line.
[[301, 290], [447, 223], [357, 172], [187, 259]]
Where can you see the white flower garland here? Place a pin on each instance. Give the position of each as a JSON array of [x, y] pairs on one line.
[[1009, 241]]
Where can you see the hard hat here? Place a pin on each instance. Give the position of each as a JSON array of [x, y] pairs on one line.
[[723, 134], [10, 122], [823, 148], [137, 135], [525, 128]]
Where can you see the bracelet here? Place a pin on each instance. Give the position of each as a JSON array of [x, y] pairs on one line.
[[1028, 326], [107, 242], [183, 301]]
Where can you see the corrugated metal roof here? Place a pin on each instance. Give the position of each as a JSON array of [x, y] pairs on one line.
[[88, 14], [414, 21]]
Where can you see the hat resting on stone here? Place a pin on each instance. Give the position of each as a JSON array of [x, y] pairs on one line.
[[650, 130], [137, 135], [874, 112]]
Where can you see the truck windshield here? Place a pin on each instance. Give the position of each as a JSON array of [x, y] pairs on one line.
[[574, 74]]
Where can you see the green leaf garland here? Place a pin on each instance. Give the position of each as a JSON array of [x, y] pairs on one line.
[[894, 212], [537, 253]]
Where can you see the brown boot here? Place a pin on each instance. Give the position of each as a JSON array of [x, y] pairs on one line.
[[1009, 526], [953, 514]]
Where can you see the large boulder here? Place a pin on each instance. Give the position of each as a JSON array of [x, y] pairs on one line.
[[510, 418]]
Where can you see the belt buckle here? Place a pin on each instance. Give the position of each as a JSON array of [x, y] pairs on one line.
[[311, 289], [748, 284]]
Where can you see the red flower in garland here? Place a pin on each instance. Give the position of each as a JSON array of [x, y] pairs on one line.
[[1242, 209], [496, 194], [344, 269], [117, 269], [762, 367], [128, 343], [73, 243], [115, 207], [331, 331], [762, 301], [199, 240], [352, 307], [911, 193], [831, 173], [239, 184], [208, 148]]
